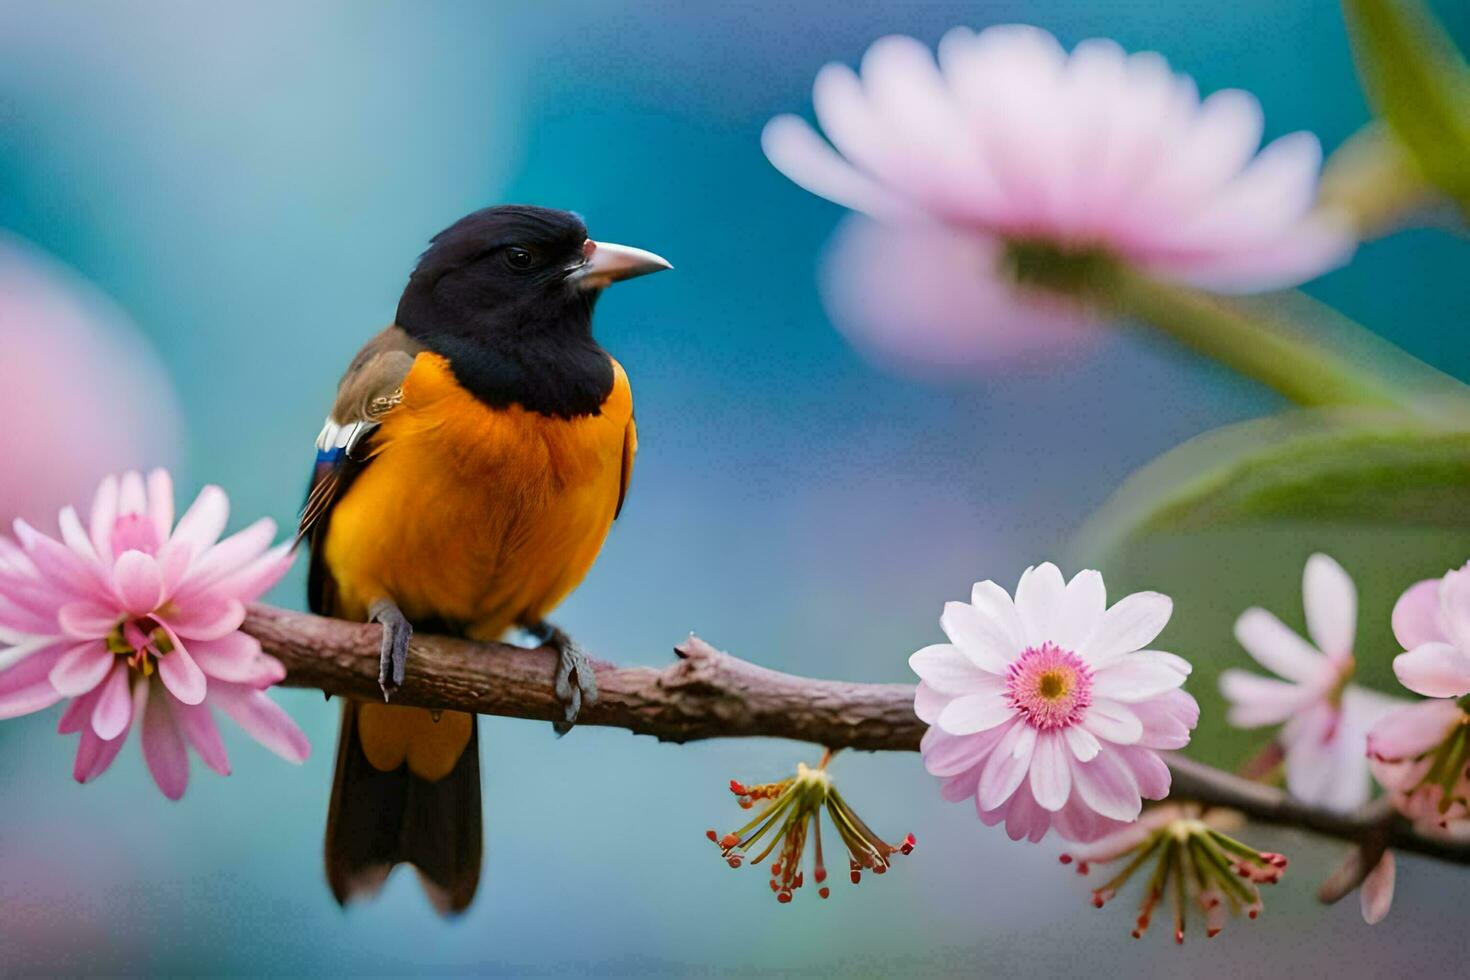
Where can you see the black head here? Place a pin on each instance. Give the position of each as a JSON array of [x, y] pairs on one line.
[[506, 295]]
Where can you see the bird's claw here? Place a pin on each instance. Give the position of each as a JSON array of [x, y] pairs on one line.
[[393, 651], [576, 681]]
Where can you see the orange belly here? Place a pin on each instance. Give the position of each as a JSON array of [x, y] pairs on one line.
[[482, 518]]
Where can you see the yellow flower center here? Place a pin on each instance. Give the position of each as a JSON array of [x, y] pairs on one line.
[[1054, 684]]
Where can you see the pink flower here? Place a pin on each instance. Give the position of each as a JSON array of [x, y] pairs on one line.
[[1047, 709], [1030, 153], [64, 346], [135, 619], [1325, 719], [1421, 752], [1432, 622]]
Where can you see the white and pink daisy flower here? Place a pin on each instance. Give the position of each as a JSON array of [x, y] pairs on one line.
[[1048, 710], [137, 620], [1324, 718], [1011, 152]]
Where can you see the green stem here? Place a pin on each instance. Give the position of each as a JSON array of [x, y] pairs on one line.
[[1303, 371]]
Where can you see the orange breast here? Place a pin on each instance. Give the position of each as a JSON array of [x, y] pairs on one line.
[[484, 518]]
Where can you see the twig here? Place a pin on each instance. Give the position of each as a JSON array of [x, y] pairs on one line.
[[705, 693]]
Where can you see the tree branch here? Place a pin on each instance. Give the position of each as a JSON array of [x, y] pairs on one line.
[[705, 693]]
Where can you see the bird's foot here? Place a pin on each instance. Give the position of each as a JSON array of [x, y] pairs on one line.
[[393, 654], [576, 682]]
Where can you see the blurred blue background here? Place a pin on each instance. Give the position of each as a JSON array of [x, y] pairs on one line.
[[252, 183]]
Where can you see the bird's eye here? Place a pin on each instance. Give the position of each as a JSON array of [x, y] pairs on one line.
[[519, 258]]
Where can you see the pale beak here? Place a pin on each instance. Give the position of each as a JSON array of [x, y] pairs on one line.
[[604, 263]]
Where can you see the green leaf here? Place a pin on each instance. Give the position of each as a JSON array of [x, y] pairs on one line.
[[1419, 84], [1228, 520]]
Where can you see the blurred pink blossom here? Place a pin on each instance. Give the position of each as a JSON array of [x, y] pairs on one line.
[[84, 394], [1324, 719], [1010, 140], [1047, 709], [1420, 752], [136, 619]]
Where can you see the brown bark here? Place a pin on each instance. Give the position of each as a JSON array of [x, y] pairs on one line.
[[705, 693]]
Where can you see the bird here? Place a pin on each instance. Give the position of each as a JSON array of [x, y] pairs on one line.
[[477, 452]]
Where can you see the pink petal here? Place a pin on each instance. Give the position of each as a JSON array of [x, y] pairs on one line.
[[200, 527], [1082, 607], [1257, 701], [262, 719], [1051, 772], [1416, 615], [1039, 596], [94, 755], [114, 712], [198, 727], [26, 687], [104, 514], [1454, 606], [88, 619], [1112, 722], [174, 565], [78, 714], [1413, 730], [1081, 743], [132, 497], [138, 582], [237, 658], [1139, 676], [977, 637], [971, 713], [1007, 766], [206, 619], [1376, 896], [1131, 624], [944, 668], [161, 502], [234, 552], [258, 577], [1025, 818], [1436, 670], [17, 619], [1279, 649], [1108, 786], [1079, 822], [75, 536], [1150, 771], [932, 302], [1167, 720], [56, 561], [1331, 603], [795, 149], [1327, 760], [928, 703], [961, 787], [163, 747], [995, 604], [181, 675], [81, 668], [948, 755]]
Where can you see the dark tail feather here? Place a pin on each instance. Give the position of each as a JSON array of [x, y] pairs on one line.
[[378, 820]]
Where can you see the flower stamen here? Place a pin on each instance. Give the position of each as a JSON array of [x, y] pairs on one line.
[[1195, 863], [792, 814]]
